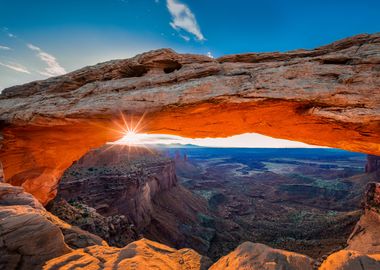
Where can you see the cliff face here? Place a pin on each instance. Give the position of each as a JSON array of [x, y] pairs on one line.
[[114, 181], [373, 164], [327, 96], [122, 194]]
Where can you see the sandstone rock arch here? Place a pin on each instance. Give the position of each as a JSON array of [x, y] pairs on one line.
[[326, 96]]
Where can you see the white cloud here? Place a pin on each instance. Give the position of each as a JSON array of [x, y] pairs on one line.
[[183, 18], [15, 67], [5, 48], [186, 38], [53, 67], [210, 55]]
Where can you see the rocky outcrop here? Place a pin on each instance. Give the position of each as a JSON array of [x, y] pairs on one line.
[[327, 96], [24, 231], [366, 236], [30, 236], [115, 181], [116, 230], [253, 256], [122, 194], [139, 255], [351, 260]]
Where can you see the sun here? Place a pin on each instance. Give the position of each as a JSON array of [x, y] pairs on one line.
[[131, 130], [131, 137]]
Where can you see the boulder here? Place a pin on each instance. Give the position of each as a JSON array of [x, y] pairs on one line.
[[254, 256]]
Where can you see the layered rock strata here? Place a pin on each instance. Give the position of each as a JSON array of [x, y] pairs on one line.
[[122, 194], [326, 96], [29, 235]]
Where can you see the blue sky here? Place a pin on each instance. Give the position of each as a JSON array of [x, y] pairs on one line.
[[39, 39]]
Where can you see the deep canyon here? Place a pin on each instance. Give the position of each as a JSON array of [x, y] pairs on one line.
[[104, 210]]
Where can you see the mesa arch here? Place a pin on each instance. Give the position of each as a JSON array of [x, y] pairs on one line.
[[327, 96]]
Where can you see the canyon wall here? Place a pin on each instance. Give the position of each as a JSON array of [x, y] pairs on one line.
[[327, 96], [115, 180], [123, 193], [373, 164]]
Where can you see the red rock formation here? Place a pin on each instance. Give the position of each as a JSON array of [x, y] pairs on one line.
[[29, 235], [139, 255], [366, 236], [327, 96], [351, 260], [121, 193], [252, 256], [115, 180]]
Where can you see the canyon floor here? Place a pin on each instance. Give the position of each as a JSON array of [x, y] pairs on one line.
[[303, 200]]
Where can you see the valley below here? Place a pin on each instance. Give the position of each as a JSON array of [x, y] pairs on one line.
[[303, 200], [213, 199]]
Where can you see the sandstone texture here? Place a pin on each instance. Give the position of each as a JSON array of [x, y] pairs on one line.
[[253, 256], [123, 194], [351, 260], [29, 235], [366, 236], [327, 96], [139, 255]]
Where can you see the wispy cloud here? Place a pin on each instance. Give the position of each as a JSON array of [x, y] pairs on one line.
[[183, 18], [209, 54], [15, 67], [53, 67], [186, 38], [6, 31], [5, 48]]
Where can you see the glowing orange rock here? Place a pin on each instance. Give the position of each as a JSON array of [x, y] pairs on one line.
[[327, 96]]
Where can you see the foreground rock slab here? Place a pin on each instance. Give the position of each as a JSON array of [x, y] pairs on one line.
[[253, 256], [351, 260], [326, 96], [139, 255], [29, 235]]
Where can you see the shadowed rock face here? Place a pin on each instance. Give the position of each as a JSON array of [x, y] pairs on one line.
[[328, 96], [373, 164]]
